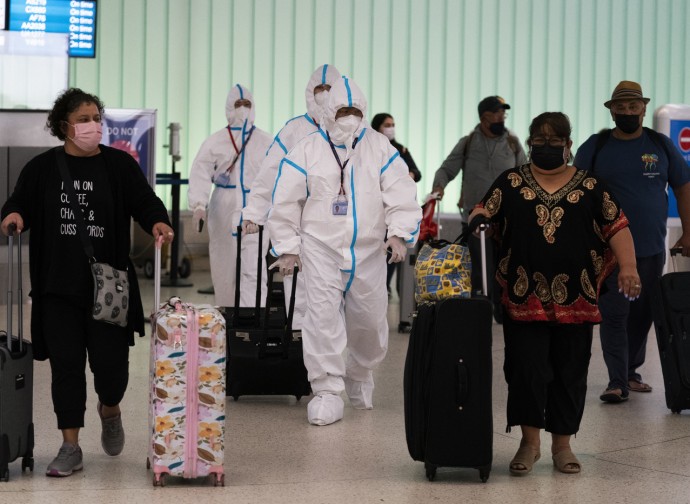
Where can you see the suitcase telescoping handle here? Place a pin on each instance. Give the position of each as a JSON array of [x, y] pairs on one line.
[[482, 223], [12, 228], [259, 272], [157, 275], [674, 252], [438, 217]]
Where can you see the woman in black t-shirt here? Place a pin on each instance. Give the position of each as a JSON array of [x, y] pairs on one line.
[[110, 189]]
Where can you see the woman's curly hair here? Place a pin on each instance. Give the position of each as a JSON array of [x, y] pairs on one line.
[[69, 101]]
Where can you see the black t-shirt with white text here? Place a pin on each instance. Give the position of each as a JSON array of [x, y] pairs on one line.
[[65, 269]]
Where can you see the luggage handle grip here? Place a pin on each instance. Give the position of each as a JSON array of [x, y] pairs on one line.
[[12, 229], [463, 384]]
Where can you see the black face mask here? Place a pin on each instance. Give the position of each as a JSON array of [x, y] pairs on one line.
[[547, 157], [628, 123], [497, 128]]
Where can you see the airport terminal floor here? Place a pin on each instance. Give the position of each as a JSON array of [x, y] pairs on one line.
[[634, 452]]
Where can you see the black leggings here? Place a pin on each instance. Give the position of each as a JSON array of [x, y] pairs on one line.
[[546, 369], [70, 334]]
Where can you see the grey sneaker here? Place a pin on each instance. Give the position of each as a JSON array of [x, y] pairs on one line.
[[113, 435], [68, 460]]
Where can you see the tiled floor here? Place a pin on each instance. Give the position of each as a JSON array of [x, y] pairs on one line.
[[636, 452]]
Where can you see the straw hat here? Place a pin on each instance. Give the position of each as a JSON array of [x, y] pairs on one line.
[[626, 90]]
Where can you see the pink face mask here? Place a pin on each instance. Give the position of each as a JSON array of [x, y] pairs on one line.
[[87, 135]]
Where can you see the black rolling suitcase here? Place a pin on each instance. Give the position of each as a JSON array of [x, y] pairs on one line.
[[16, 382], [672, 323], [264, 352], [447, 385]]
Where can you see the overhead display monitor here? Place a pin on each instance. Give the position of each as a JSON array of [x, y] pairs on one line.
[[34, 68], [74, 17]]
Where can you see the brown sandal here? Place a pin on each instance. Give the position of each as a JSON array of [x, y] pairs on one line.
[[566, 462], [523, 460]]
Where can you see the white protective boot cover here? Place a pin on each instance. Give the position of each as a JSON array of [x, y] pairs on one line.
[[360, 393], [325, 409]]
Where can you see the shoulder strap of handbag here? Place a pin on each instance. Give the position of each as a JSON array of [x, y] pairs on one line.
[[78, 214]]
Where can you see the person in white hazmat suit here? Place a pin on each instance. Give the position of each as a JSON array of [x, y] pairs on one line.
[[337, 193], [228, 161], [256, 211]]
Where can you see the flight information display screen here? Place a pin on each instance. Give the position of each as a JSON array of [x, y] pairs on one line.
[[74, 17]]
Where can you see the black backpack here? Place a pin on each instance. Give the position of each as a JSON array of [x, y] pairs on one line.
[[603, 137]]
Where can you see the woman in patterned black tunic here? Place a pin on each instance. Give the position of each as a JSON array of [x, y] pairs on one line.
[[561, 233]]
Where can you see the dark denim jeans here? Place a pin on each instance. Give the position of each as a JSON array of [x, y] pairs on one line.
[[625, 323]]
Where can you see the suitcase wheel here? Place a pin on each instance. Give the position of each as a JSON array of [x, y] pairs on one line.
[[5, 474], [235, 398], [219, 480], [160, 479], [676, 411], [298, 397], [149, 269], [484, 473], [28, 462], [430, 471]]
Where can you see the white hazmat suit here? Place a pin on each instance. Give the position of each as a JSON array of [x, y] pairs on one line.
[[294, 130], [244, 144], [342, 249]]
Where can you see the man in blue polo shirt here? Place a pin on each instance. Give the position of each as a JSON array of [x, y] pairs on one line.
[[637, 164]]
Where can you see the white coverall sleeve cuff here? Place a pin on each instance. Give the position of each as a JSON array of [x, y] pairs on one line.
[[286, 248], [249, 214], [410, 238]]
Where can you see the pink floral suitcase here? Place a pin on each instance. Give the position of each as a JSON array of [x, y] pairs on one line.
[[187, 392]]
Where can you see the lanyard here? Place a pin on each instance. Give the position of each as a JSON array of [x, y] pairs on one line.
[[240, 151], [341, 165]]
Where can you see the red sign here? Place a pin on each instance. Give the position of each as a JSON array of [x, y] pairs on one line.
[[684, 139]]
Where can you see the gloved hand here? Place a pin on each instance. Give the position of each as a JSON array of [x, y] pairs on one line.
[[198, 218], [248, 227], [286, 263], [398, 249]]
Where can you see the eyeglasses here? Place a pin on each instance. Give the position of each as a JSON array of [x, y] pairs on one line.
[[631, 107], [553, 141]]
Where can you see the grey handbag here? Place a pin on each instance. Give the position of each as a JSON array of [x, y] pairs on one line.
[[110, 294], [110, 285]]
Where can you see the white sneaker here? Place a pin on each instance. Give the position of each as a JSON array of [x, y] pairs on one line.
[[360, 393], [325, 409]]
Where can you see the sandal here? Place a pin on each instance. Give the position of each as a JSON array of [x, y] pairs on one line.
[[613, 395], [639, 386], [566, 462], [523, 460]]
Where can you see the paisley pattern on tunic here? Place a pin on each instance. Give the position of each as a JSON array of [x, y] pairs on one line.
[[515, 180], [551, 266], [494, 202], [522, 283], [610, 208], [575, 196], [587, 285]]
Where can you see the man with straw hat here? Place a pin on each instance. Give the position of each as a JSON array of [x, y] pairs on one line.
[[637, 164]]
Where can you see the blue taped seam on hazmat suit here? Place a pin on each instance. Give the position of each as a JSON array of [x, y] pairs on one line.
[[342, 255], [225, 201]]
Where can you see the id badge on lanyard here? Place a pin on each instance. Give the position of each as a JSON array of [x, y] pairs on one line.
[[340, 204], [223, 178]]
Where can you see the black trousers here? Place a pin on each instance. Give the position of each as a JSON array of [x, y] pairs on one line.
[[71, 335], [546, 369]]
